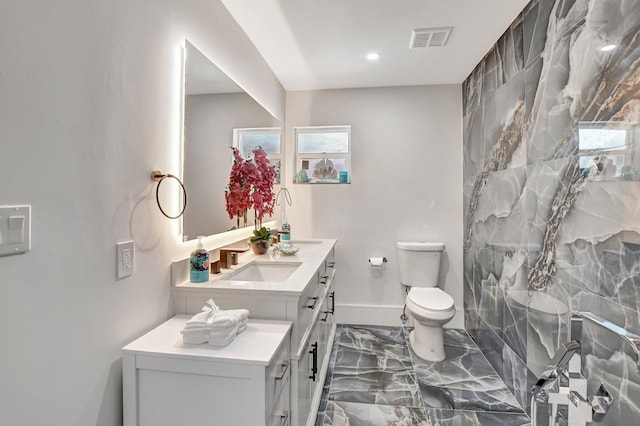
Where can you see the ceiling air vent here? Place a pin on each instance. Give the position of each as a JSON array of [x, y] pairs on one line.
[[430, 37]]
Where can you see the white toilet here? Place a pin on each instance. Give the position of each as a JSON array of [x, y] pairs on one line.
[[430, 307]]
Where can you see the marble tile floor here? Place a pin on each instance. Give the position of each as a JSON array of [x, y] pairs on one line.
[[375, 379]]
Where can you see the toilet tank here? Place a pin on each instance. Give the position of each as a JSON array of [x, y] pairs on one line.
[[419, 263]]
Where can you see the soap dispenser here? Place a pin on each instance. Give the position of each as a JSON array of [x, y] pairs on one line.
[[199, 269], [285, 233]]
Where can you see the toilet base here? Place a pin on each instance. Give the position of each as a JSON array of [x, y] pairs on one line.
[[428, 342]]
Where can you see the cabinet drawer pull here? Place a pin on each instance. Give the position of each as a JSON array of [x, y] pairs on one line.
[[314, 365], [326, 315], [331, 264], [324, 279], [284, 415], [285, 367], [314, 303], [332, 295]]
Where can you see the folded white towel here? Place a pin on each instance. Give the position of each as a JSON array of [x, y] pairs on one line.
[[218, 332], [199, 318], [240, 313], [195, 337], [241, 327], [223, 339], [194, 331], [216, 326], [203, 328], [223, 321]]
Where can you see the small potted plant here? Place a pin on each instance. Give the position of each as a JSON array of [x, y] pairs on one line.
[[261, 239]]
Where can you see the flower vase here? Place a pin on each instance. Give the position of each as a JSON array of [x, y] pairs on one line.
[[261, 247]]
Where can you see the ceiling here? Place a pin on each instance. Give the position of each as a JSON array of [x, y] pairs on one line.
[[322, 44]]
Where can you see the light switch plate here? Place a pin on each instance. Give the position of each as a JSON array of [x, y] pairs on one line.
[[15, 229]]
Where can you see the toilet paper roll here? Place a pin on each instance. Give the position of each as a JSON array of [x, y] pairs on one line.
[[376, 261]]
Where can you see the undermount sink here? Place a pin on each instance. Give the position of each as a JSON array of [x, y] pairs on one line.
[[267, 271]]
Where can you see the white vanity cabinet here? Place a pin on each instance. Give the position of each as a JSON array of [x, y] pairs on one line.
[[167, 382], [309, 365], [306, 299]]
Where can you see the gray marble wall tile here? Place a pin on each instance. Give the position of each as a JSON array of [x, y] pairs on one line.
[[547, 316], [537, 219], [535, 18], [532, 74], [508, 365], [598, 244], [471, 317], [476, 148]]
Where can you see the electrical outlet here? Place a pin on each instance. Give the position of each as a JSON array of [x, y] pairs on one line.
[[124, 259]]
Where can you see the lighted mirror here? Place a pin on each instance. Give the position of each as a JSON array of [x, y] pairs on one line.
[[216, 110]]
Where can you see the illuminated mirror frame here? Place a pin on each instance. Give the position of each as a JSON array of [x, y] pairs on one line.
[[217, 180]]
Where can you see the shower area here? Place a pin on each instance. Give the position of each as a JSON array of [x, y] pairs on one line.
[[552, 209]]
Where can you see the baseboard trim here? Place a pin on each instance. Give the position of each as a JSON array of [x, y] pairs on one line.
[[382, 315]]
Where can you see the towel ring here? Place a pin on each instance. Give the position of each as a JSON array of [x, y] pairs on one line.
[[158, 176]]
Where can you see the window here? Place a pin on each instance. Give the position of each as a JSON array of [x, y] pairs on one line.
[[269, 138], [604, 149], [322, 154]]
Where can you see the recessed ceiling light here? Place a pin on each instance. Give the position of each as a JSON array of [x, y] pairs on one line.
[[373, 56], [608, 48]]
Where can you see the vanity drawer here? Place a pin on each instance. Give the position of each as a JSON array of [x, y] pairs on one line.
[[330, 262], [277, 375], [281, 413], [308, 305]]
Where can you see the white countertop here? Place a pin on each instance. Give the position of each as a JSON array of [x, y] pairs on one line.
[[310, 257], [257, 344]]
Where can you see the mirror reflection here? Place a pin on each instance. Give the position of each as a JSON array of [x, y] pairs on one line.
[[217, 111], [608, 150]]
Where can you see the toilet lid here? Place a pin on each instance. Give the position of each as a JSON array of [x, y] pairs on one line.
[[431, 298]]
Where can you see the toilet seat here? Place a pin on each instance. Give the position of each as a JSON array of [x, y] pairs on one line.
[[429, 301]]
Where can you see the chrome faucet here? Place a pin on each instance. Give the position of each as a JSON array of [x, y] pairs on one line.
[[563, 388], [550, 379], [556, 382]]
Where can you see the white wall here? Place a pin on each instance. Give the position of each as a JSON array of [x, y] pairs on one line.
[[88, 108], [406, 185]]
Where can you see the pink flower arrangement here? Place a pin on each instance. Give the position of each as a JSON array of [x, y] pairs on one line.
[[250, 185]]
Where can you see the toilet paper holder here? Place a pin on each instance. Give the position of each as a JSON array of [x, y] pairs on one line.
[[377, 261]]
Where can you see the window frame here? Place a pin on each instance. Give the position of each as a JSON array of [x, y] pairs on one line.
[[300, 157], [618, 152], [275, 159]]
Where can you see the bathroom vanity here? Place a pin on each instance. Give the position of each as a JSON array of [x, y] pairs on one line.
[[299, 289], [168, 383]]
